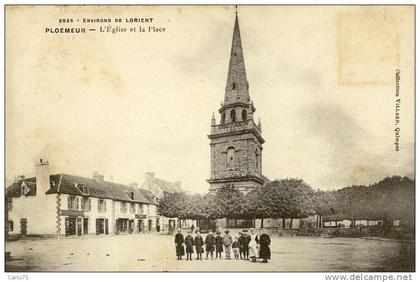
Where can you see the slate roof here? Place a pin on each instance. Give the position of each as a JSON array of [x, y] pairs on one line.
[[149, 195], [162, 185], [67, 184], [236, 84], [14, 190]]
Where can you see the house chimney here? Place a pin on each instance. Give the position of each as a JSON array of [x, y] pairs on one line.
[[134, 185], [42, 176], [98, 177], [150, 177]]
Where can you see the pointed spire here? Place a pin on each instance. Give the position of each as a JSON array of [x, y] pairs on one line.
[[237, 84], [259, 124], [213, 123]]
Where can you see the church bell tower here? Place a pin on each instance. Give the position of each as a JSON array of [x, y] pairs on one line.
[[236, 141]]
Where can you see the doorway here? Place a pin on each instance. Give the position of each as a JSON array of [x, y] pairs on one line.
[[23, 226], [70, 226], [85, 226], [100, 226], [140, 226], [106, 226], [122, 225], [79, 226], [130, 226]]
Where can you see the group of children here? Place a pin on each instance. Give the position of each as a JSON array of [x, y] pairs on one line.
[[240, 247]]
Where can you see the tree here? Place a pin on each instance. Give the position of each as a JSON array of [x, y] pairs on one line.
[[253, 206], [288, 198], [390, 199], [393, 198], [324, 204], [200, 207], [173, 205], [228, 200]]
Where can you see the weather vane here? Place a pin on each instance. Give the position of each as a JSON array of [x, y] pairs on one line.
[[236, 9]]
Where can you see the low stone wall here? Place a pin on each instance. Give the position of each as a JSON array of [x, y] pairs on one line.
[[360, 231]]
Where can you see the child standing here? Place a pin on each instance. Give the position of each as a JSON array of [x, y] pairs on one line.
[[227, 242], [189, 243], [241, 241], [198, 242], [210, 241], [247, 239], [235, 248], [219, 245]]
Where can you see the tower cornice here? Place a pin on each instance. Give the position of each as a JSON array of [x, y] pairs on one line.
[[236, 128], [237, 104]]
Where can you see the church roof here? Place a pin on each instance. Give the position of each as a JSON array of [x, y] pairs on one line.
[[236, 90]]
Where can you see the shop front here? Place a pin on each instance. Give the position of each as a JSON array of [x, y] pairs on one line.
[[123, 225], [102, 226], [74, 222], [140, 218]]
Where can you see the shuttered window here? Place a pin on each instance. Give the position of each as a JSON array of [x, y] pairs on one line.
[[101, 205]]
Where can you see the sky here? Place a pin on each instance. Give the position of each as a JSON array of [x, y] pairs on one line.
[[322, 80]]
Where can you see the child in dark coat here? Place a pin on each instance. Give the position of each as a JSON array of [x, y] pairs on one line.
[[189, 243], [219, 245], [198, 242], [210, 241], [247, 239], [241, 241], [235, 248]]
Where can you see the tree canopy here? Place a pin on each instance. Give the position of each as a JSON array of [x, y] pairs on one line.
[[390, 199]]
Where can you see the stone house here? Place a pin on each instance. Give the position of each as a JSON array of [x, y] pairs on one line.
[[157, 188]]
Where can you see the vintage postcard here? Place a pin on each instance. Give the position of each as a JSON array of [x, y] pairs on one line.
[[210, 138]]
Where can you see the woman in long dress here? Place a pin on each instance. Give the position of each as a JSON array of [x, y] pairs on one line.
[[253, 246], [265, 241], [179, 245]]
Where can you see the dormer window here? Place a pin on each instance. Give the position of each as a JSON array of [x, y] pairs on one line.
[[82, 188], [24, 189], [132, 195]]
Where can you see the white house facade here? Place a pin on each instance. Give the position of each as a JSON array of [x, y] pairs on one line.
[[66, 205]]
